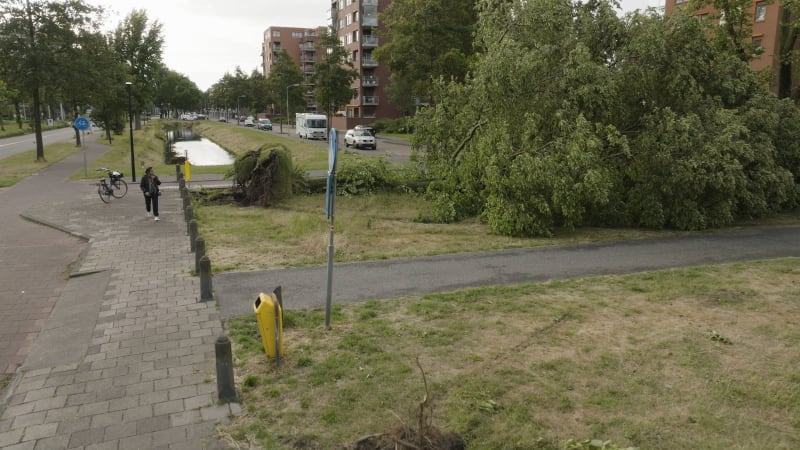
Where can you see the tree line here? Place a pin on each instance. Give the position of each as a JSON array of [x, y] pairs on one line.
[[55, 55]]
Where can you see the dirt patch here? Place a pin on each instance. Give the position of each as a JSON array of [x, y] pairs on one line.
[[406, 438]]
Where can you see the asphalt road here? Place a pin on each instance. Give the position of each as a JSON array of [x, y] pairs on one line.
[[18, 144], [352, 282]]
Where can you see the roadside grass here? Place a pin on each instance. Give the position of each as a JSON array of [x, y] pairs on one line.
[[22, 165], [702, 357], [371, 227], [237, 140]]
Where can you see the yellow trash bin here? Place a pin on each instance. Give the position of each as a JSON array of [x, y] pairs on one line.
[[269, 316]]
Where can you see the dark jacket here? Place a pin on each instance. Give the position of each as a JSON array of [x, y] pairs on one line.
[[149, 185]]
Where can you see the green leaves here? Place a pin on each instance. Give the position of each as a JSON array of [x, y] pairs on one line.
[[573, 116]]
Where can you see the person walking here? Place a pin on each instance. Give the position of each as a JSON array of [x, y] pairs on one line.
[[149, 186]]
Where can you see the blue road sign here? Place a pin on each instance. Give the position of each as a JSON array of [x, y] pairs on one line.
[[82, 123]]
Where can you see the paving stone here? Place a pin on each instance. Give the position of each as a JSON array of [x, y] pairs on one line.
[[152, 424], [10, 437], [86, 437], [25, 420], [34, 432], [50, 403], [120, 431], [52, 443]]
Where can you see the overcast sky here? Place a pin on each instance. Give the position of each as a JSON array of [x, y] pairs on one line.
[[204, 39]]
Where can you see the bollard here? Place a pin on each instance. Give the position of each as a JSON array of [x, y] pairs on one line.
[[177, 172], [205, 279], [188, 213], [199, 252], [181, 183], [192, 233], [186, 200], [226, 387]]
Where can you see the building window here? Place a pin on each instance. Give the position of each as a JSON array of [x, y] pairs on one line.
[[349, 19], [757, 41], [276, 34], [680, 1], [355, 36], [297, 34], [761, 12]]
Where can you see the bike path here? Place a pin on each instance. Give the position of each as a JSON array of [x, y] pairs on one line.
[[385, 279]]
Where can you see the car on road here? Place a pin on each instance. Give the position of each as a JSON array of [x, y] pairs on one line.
[[250, 122], [265, 124], [360, 139]]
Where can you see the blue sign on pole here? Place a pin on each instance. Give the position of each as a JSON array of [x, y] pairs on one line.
[[82, 123], [332, 154]]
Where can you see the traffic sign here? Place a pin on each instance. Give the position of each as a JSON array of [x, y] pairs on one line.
[[82, 123]]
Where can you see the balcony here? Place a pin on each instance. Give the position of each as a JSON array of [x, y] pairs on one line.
[[307, 58], [369, 22], [368, 62], [369, 100], [370, 81], [369, 41], [369, 2]]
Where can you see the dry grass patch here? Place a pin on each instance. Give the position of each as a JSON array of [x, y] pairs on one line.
[[370, 227], [691, 358]]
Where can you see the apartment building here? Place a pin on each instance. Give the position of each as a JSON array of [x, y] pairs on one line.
[[356, 23], [301, 45], [766, 21]]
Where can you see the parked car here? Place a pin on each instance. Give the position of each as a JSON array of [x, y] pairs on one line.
[[359, 139], [265, 124], [250, 122], [367, 128]]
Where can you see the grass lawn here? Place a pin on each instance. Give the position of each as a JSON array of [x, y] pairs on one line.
[[16, 167], [702, 357]]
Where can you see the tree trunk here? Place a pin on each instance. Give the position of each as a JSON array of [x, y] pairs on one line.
[[37, 124]]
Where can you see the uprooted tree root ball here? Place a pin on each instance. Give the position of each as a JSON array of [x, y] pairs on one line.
[[264, 175]]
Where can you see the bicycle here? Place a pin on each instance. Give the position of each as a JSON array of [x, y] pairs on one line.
[[115, 187]]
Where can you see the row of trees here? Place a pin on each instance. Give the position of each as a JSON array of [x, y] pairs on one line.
[[54, 54], [570, 116], [331, 81]]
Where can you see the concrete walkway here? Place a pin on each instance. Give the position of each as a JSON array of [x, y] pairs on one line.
[[120, 353]]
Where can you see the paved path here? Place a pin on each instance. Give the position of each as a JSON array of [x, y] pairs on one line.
[[306, 287], [119, 355]]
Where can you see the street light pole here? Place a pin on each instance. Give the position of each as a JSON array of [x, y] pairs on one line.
[[287, 105], [238, 110], [128, 85]]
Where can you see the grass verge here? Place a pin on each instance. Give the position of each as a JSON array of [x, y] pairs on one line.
[[19, 166], [700, 357]]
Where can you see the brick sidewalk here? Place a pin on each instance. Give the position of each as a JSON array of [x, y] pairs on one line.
[[126, 358]]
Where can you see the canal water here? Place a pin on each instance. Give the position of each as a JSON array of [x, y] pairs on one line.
[[199, 150]]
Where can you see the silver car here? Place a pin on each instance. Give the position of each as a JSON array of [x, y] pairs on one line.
[[360, 139]]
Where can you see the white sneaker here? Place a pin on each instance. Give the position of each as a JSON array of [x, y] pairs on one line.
[[157, 219], [147, 214]]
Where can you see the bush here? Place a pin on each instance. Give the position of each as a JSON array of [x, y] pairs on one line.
[[362, 176], [403, 125]]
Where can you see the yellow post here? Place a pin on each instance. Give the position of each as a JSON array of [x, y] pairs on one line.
[[186, 170], [269, 316]]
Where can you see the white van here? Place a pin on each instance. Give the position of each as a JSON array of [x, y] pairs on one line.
[[312, 126]]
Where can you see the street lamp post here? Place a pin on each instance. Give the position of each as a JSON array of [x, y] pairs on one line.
[[238, 110], [287, 105], [128, 85]]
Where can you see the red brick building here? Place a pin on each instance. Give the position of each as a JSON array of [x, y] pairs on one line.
[[300, 44], [357, 25]]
